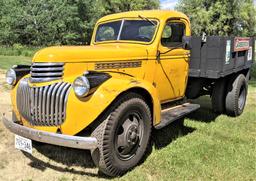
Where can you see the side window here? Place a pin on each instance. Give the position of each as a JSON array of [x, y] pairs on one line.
[[173, 33]]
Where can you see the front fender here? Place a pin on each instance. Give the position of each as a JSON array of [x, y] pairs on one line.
[[82, 112]]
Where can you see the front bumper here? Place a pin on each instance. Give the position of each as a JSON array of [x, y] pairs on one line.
[[86, 143]]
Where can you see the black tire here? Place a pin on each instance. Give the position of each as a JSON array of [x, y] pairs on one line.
[[37, 144], [236, 96], [248, 76], [123, 136], [218, 96], [194, 88]]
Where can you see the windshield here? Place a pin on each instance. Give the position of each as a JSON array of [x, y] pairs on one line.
[[129, 30]]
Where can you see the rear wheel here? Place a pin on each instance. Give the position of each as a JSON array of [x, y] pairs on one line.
[[236, 96], [218, 96], [123, 136], [248, 75]]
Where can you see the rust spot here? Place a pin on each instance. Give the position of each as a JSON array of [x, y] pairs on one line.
[[110, 91], [134, 82]]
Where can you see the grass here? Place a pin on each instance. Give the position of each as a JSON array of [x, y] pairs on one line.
[[18, 50], [7, 62], [14, 55], [253, 72]]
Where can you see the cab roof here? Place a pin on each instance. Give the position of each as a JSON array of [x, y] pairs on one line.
[[159, 14]]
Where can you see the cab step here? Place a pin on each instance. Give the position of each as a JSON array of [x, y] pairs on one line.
[[174, 113]]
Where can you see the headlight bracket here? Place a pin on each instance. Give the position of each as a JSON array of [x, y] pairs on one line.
[[20, 71], [97, 78]]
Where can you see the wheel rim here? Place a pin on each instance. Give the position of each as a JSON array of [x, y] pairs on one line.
[[129, 135], [241, 98]]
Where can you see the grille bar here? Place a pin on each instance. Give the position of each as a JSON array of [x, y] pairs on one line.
[[47, 64], [25, 99], [44, 69], [43, 106], [43, 72]]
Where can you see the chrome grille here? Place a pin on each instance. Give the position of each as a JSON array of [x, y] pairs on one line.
[[43, 106], [43, 72]]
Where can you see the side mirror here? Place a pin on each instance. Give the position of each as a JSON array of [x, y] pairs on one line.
[[186, 42]]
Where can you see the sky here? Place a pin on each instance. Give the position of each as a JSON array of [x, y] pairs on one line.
[[170, 4]]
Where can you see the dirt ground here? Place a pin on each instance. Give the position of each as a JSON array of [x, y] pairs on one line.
[[46, 163]]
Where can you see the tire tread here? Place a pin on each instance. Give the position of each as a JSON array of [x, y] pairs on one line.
[[103, 134]]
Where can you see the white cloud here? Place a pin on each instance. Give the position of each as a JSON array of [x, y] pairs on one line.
[[168, 4]]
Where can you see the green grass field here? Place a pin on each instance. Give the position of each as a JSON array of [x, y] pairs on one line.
[[18, 50], [7, 62], [206, 147]]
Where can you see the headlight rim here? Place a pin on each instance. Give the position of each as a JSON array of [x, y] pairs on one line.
[[14, 81], [86, 92]]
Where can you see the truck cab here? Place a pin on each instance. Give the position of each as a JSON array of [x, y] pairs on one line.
[[108, 96], [154, 34]]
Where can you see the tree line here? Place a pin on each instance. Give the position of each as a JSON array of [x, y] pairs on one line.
[[220, 17], [48, 22], [54, 22]]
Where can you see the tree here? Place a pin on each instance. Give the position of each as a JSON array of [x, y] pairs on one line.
[[51, 22], [220, 17], [115, 6], [44, 22]]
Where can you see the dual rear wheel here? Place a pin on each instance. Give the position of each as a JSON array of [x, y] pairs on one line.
[[230, 96]]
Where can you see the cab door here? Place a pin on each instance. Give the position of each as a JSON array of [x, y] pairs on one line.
[[172, 64]]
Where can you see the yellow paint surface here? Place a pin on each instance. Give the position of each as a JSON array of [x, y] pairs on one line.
[[164, 79]]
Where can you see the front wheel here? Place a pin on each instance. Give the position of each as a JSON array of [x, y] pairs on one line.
[[123, 136]]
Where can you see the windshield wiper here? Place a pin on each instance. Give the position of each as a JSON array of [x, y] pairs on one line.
[[153, 23]]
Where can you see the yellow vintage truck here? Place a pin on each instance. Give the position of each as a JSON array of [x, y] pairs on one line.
[[138, 74]]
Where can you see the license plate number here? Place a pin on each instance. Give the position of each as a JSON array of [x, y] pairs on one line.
[[23, 144]]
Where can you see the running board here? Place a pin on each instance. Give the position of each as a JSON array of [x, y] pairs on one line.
[[174, 113]]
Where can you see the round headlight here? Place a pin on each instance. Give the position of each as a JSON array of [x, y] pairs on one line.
[[81, 86], [11, 77]]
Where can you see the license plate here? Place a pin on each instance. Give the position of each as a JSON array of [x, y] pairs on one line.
[[23, 144]]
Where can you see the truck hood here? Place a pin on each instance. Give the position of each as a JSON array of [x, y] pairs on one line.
[[93, 53]]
